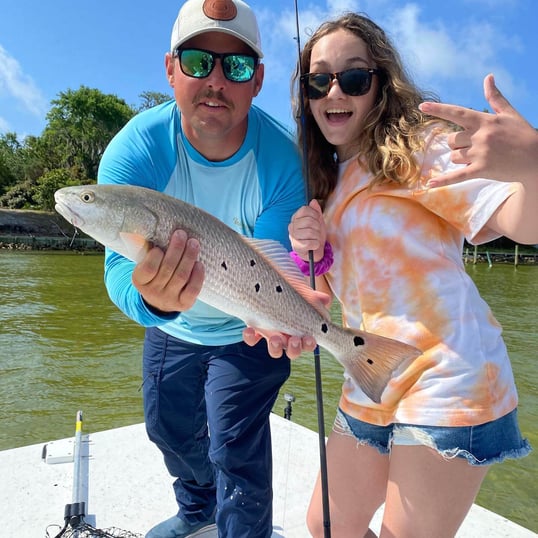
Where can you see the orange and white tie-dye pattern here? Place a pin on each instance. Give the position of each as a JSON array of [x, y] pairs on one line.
[[399, 272]]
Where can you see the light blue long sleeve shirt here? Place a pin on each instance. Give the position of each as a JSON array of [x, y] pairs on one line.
[[255, 192]]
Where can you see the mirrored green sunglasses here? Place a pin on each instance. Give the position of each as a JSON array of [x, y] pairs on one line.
[[198, 63]]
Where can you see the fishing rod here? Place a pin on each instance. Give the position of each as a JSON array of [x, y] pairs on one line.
[[317, 361]]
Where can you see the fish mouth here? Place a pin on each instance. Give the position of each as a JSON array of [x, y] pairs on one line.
[[68, 214]]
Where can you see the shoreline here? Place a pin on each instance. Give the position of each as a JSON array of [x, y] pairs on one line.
[[78, 242], [39, 243], [25, 229]]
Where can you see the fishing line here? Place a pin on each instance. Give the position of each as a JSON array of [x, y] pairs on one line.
[[75, 233], [317, 361], [289, 398]]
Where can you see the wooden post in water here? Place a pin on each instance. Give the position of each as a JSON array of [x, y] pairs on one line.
[[475, 256], [516, 254]]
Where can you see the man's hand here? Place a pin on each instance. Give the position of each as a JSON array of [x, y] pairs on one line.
[[277, 342], [171, 281]]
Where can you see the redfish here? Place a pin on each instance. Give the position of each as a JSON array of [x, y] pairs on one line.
[[253, 280]]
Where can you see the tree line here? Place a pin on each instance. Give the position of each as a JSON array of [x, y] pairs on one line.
[[79, 126]]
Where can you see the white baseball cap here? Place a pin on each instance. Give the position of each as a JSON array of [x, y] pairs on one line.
[[233, 17]]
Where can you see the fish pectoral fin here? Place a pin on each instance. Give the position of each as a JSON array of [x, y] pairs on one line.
[[134, 246]]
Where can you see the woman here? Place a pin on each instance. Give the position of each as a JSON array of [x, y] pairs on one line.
[[398, 272]]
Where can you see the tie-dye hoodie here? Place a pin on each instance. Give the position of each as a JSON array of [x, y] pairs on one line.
[[399, 272]]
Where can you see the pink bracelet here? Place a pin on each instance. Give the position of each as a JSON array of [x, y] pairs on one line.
[[321, 267]]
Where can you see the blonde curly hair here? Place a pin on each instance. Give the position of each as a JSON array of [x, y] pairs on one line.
[[393, 130]]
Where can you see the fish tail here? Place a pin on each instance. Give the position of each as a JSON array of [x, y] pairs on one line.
[[372, 360]]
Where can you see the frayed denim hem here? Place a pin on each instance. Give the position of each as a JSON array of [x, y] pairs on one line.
[[342, 427], [448, 442], [481, 445], [514, 454], [416, 437]]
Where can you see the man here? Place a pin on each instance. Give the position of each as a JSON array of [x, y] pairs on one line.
[[211, 147]]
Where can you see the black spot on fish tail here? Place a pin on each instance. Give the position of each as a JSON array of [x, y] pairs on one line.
[[358, 341], [324, 328], [252, 263], [224, 266], [279, 289], [257, 286], [369, 361]]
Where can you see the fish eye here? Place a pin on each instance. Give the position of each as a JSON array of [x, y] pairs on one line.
[[87, 196]]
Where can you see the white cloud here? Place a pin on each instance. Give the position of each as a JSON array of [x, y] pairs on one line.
[[449, 56], [14, 83], [4, 125], [336, 7], [436, 52], [428, 50]]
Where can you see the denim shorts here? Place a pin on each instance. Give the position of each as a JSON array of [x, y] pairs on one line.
[[484, 444]]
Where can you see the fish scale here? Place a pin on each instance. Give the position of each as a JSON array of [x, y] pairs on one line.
[[252, 280]]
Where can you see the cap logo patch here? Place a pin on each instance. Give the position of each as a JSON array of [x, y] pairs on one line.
[[220, 10]]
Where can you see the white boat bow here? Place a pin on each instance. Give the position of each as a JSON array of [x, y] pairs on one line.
[[125, 485]]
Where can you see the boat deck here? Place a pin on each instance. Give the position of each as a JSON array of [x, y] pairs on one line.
[[125, 485]]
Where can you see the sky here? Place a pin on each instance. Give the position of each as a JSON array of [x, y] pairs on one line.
[[118, 47]]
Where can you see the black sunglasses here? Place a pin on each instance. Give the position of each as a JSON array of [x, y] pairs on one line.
[[198, 63], [354, 82]]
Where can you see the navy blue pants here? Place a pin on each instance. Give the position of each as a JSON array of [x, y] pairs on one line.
[[207, 409]]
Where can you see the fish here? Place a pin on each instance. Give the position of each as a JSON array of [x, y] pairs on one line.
[[251, 279]]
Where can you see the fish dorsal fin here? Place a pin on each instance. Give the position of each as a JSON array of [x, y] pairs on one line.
[[280, 259]]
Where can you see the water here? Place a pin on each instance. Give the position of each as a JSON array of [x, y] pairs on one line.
[[64, 347]]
